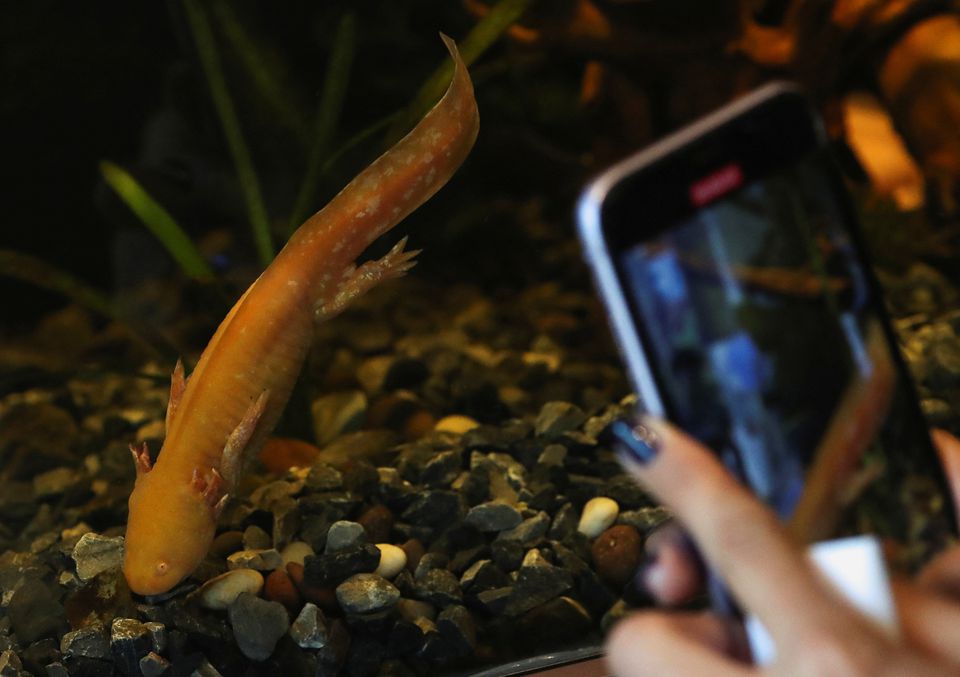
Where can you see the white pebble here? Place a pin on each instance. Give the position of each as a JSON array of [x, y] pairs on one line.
[[297, 552], [456, 424], [220, 592], [392, 560], [598, 515]]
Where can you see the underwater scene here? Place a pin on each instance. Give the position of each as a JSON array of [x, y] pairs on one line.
[[301, 369]]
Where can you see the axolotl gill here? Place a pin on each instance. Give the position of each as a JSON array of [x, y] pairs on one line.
[[243, 379]]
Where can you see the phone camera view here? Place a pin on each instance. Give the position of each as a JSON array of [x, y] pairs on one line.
[[767, 345]]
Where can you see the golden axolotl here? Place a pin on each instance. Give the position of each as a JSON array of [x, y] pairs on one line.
[[243, 379]]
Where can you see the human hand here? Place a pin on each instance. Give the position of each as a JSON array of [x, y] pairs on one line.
[[815, 631]]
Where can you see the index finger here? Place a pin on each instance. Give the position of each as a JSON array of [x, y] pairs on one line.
[[740, 537]]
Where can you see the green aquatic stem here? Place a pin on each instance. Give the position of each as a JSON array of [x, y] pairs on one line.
[[41, 274], [158, 221], [500, 17], [328, 114], [265, 70], [242, 160]]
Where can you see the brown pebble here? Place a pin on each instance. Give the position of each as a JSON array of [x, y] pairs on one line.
[[279, 454], [378, 521], [325, 598], [616, 553], [280, 588], [419, 424], [415, 550], [226, 543]]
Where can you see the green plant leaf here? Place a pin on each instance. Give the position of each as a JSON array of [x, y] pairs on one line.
[[158, 221], [242, 160], [500, 17], [37, 272], [328, 114], [266, 71]]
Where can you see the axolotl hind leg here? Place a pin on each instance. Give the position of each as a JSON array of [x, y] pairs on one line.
[[358, 281]]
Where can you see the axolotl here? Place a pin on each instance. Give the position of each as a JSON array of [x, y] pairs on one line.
[[243, 379]]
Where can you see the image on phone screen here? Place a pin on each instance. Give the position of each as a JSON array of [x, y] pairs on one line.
[[767, 343]]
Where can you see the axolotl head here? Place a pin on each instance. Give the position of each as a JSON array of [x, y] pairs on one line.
[[169, 531]]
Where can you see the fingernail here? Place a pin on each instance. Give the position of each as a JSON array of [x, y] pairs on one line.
[[636, 591], [635, 440]]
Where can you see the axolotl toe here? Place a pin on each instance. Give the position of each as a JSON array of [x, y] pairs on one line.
[[232, 400]]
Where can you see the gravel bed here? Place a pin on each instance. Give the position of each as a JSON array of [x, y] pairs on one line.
[[460, 513]]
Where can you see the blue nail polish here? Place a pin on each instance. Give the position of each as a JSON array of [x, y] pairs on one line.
[[636, 441]]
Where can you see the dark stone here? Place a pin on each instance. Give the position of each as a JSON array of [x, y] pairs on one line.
[[556, 622], [644, 520], [334, 567], [365, 656], [528, 531], [442, 469], [556, 418], [495, 601], [466, 557], [153, 665], [430, 560], [344, 534], [377, 521], [544, 497], [458, 628], [507, 554], [130, 641], [626, 492], [476, 486], [40, 654], [323, 477], [434, 509], [581, 488], [439, 587], [405, 373], [493, 516], [360, 477], [35, 611], [489, 437], [257, 625], [406, 638], [366, 593], [564, 523], [483, 575], [537, 584], [87, 642]]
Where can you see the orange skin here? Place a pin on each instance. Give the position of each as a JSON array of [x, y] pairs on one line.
[[257, 352]]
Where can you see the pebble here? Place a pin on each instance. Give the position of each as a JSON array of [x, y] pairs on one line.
[[332, 568], [366, 593], [261, 560], [54, 482], [414, 550], [556, 418], [279, 587], [456, 424], [130, 641], [439, 587], [493, 516], [529, 530], [255, 538], [336, 414], [220, 592], [377, 521], [392, 560], [412, 609], [344, 534], [598, 514], [297, 551], [87, 642], [153, 665], [617, 553], [323, 477], [257, 625], [95, 554], [309, 629]]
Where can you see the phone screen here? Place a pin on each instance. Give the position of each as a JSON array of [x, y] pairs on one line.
[[766, 339]]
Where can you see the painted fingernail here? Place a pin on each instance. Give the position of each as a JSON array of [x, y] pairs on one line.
[[634, 440]]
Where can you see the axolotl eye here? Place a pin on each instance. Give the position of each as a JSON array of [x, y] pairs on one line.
[[161, 568]]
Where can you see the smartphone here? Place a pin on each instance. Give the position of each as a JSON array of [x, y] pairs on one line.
[[741, 299]]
